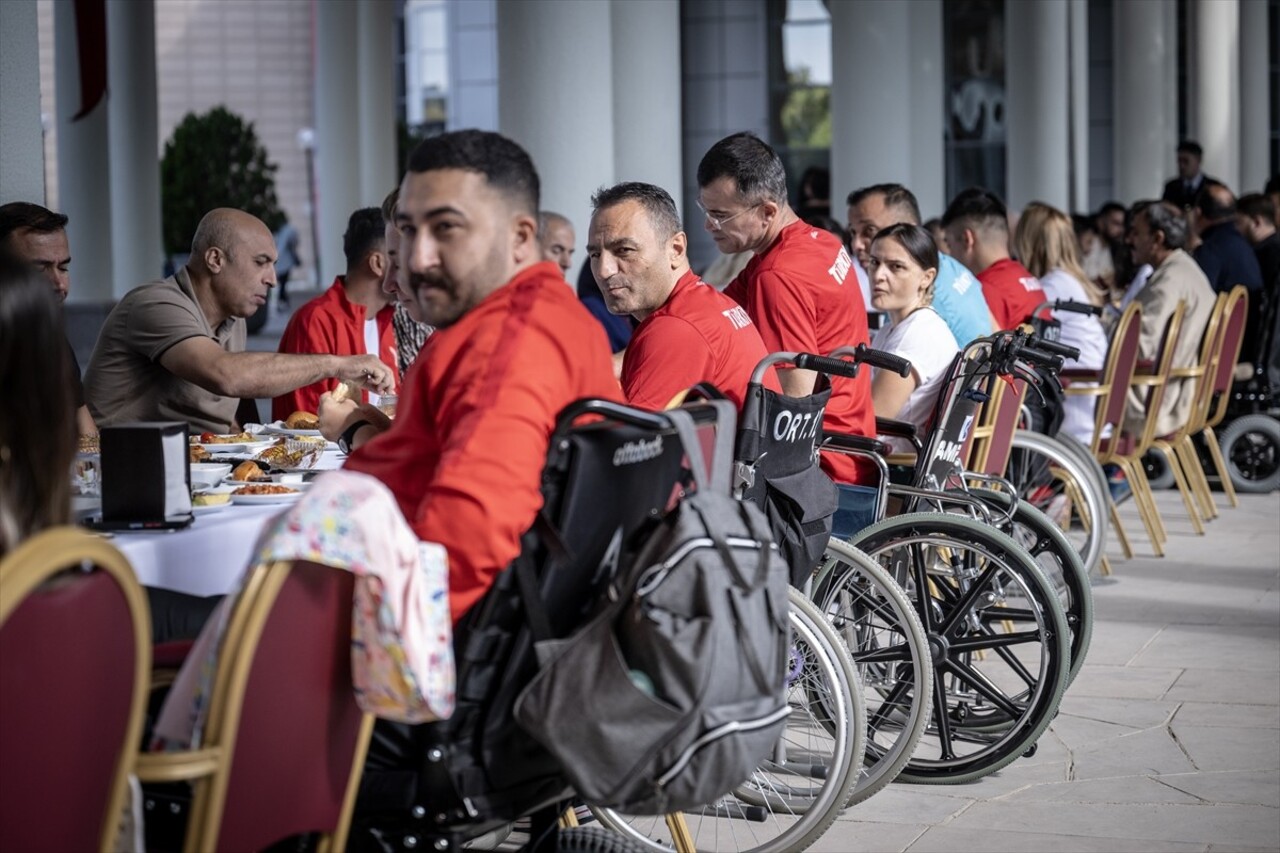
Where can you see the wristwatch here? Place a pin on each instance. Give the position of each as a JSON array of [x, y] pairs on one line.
[[349, 435]]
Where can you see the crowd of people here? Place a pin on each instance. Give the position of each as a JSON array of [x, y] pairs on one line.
[[455, 298]]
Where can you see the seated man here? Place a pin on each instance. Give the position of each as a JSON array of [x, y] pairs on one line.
[[977, 228], [513, 347], [689, 332], [173, 350], [353, 316], [37, 236]]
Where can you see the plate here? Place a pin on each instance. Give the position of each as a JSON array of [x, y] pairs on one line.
[[205, 510], [278, 428], [266, 499], [244, 446]]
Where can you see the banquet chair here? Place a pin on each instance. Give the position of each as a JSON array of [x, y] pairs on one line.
[[1109, 387], [1219, 390], [76, 636], [284, 743]]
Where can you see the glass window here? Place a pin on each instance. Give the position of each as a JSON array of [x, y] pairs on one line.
[[800, 95], [973, 36], [426, 67]]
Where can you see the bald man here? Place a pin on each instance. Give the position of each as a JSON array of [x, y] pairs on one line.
[[173, 350], [1224, 254]]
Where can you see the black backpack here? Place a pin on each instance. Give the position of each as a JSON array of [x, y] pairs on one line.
[[675, 692]]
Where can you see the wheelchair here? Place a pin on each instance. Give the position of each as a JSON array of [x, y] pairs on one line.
[[450, 784], [1247, 419]]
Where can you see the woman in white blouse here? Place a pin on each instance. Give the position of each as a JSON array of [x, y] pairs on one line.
[[902, 267], [1045, 243]]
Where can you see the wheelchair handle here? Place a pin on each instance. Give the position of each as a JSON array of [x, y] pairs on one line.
[[864, 354], [1047, 360], [611, 410], [825, 364], [1066, 351], [1077, 307]]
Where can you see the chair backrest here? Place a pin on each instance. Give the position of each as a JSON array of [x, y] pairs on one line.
[[1203, 372], [75, 634], [998, 421], [282, 716], [1235, 319], [1163, 370], [1122, 361]]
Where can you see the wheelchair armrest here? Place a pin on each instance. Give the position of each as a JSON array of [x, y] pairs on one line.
[[855, 443], [1080, 374], [898, 429]]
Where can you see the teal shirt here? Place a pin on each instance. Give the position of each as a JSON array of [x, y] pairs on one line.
[[958, 299]]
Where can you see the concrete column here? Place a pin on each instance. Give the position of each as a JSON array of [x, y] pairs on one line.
[[1078, 13], [21, 137], [1255, 93], [337, 130], [557, 105], [928, 111], [376, 71], [646, 83], [1037, 61], [1167, 13], [871, 134], [84, 170], [1217, 86], [1141, 103], [137, 251]]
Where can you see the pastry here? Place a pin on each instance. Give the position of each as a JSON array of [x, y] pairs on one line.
[[248, 470], [346, 391], [210, 498], [302, 420], [266, 489]]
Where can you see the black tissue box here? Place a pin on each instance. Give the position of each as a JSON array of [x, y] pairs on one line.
[[146, 473]]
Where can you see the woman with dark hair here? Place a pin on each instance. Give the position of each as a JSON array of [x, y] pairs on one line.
[[902, 267], [38, 428]]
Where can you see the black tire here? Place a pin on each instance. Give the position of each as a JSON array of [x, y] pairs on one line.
[[1159, 474], [1251, 448], [979, 595], [596, 839]]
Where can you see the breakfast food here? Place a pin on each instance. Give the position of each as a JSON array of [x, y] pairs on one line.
[[265, 489], [196, 453], [346, 391], [213, 438], [302, 420], [248, 470], [210, 498]]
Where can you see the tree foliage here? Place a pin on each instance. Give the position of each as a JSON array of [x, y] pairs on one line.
[[806, 113], [214, 160]]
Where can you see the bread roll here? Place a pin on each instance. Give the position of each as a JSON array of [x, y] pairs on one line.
[[302, 420], [346, 391], [248, 470], [210, 498]]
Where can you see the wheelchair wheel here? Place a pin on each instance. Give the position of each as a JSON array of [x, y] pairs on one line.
[[791, 799], [1054, 481], [878, 623], [1087, 461], [1060, 563], [1251, 448], [595, 839], [997, 634]]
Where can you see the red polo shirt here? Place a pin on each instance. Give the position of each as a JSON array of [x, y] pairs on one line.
[[802, 297], [697, 335], [1013, 294], [465, 453], [331, 324]]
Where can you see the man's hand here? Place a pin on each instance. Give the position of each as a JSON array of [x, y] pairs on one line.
[[336, 417], [369, 371]]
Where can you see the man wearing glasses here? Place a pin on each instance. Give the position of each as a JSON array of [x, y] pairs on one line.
[[798, 288]]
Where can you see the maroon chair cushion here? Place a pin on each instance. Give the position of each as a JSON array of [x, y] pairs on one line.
[[1230, 346], [67, 659], [299, 723]]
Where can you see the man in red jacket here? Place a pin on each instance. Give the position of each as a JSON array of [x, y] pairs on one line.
[[352, 317], [977, 228], [689, 332], [513, 346], [797, 287]]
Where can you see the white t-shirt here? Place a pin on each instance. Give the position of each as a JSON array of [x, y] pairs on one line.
[[372, 347], [1085, 332], [925, 340]]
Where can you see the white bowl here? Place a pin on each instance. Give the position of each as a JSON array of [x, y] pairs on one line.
[[208, 473]]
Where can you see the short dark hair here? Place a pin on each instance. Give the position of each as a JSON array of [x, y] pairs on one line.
[[895, 195], [916, 240], [656, 201], [505, 165], [389, 206], [1168, 219], [364, 235], [754, 166], [19, 215], [1212, 205], [1256, 206], [980, 208], [1190, 146], [1273, 185], [1109, 207]]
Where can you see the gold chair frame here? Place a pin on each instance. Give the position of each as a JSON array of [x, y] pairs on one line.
[[1216, 408]]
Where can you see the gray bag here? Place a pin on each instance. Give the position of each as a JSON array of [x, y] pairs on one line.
[[675, 692]]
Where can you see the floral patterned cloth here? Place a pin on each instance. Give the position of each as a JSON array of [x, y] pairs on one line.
[[401, 651]]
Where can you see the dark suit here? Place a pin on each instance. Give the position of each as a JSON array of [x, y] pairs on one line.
[[1177, 193]]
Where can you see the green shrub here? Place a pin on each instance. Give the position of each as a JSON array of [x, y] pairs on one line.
[[214, 160]]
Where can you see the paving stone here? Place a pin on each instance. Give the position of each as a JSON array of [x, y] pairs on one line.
[[1239, 647], [1225, 748], [1212, 714], [850, 836], [950, 839], [1127, 789], [1116, 642], [1022, 773], [1165, 822], [907, 804], [1076, 732], [1260, 787], [1216, 685], [1135, 713], [1123, 681], [1144, 753]]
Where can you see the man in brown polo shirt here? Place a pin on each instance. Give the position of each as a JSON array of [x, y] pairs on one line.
[[174, 349]]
